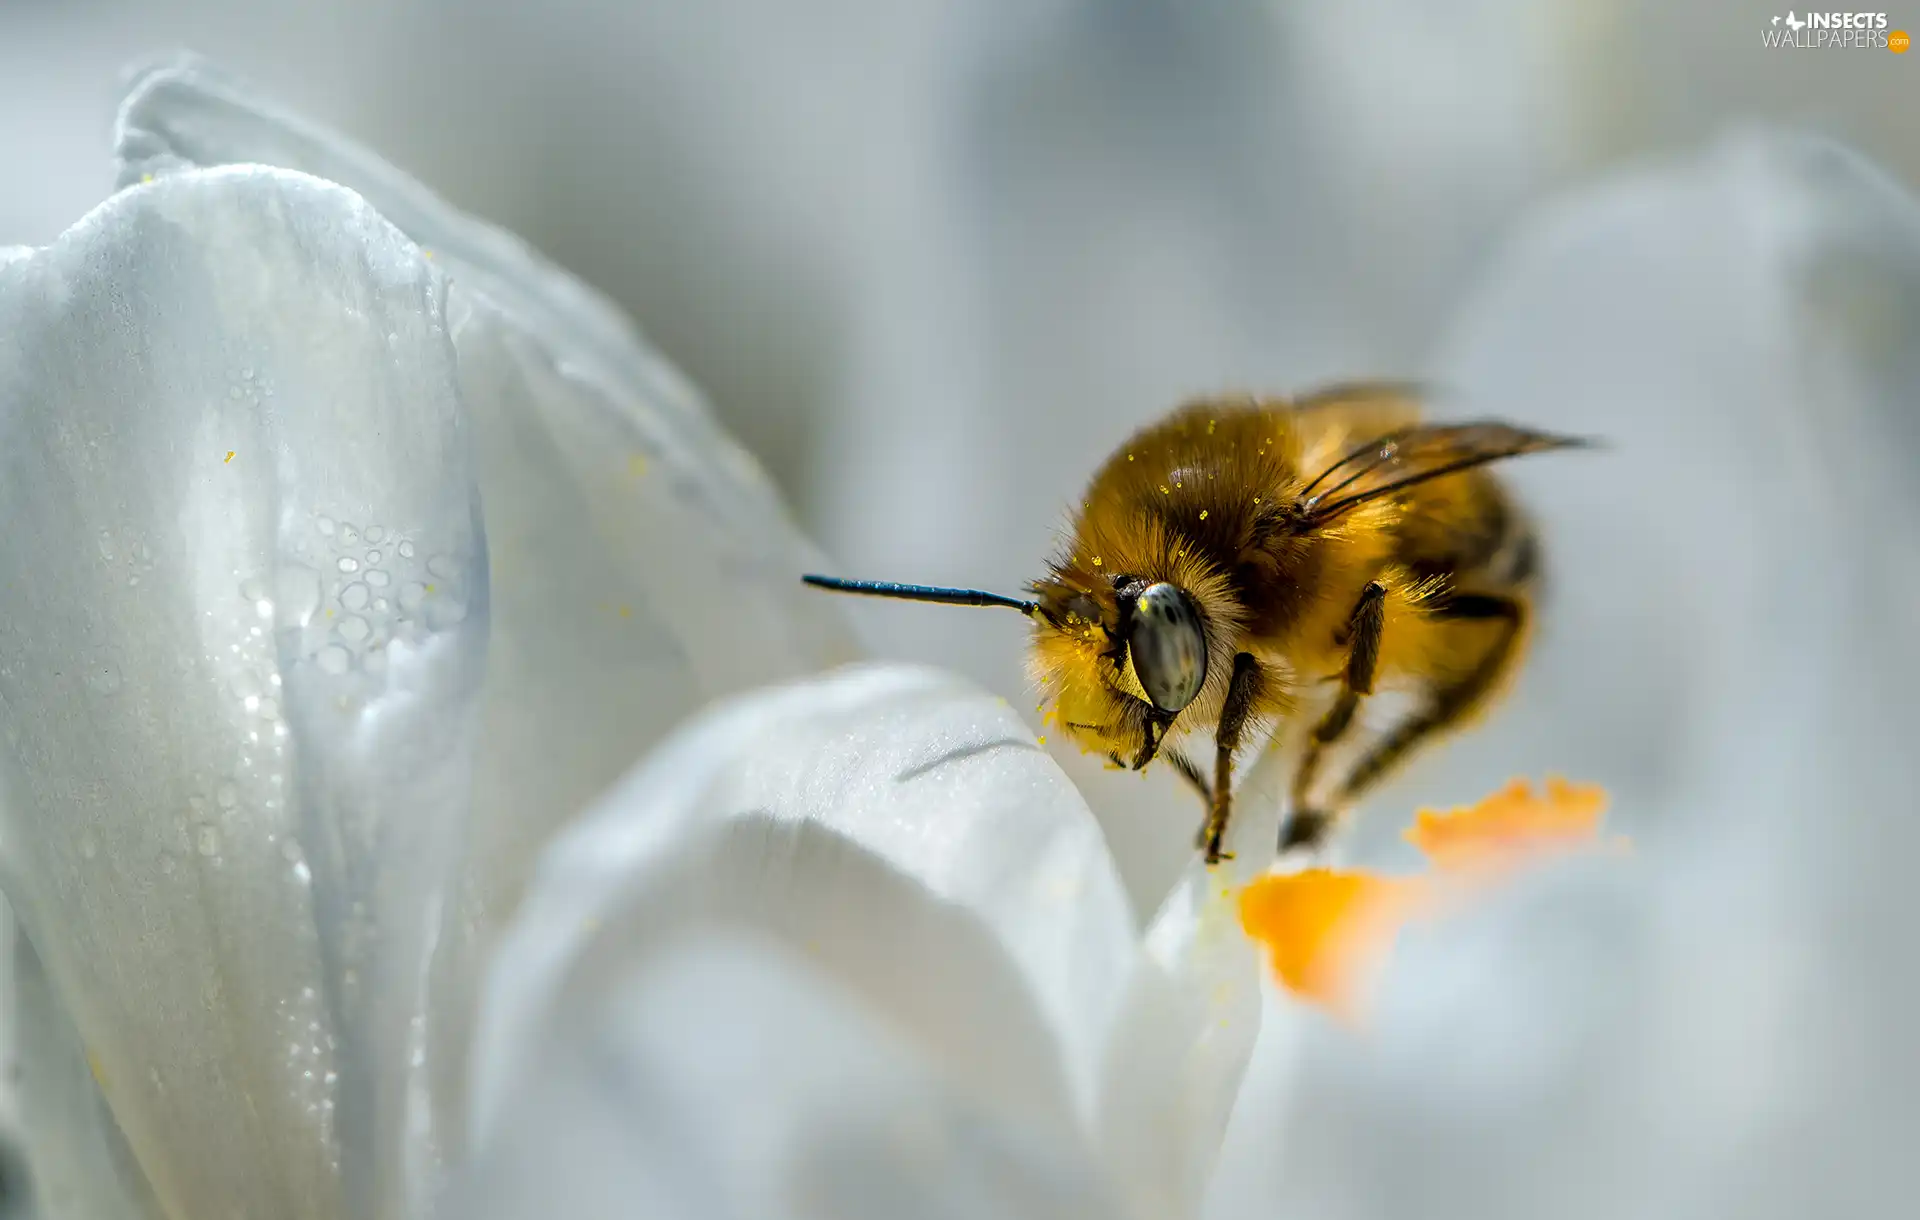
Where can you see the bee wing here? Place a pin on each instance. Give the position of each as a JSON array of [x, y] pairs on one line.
[[1400, 458]]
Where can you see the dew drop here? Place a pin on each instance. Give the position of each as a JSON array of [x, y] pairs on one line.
[[380, 605], [325, 525], [253, 588], [411, 595], [354, 629], [304, 876], [378, 579], [334, 659], [208, 842], [290, 852], [349, 564], [373, 556], [444, 566], [376, 532], [245, 684], [406, 550], [269, 709], [355, 596]]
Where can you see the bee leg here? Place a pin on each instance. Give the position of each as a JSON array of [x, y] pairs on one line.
[[1449, 704], [1307, 825], [1242, 690]]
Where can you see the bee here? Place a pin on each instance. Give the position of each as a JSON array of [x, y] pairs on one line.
[[1245, 563]]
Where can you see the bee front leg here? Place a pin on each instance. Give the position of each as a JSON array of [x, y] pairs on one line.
[[1306, 825], [1242, 691]]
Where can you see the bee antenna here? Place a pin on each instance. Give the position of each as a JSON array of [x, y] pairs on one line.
[[921, 593]]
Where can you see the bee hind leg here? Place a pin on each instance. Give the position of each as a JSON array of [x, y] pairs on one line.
[[1242, 692], [1306, 826], [1448, 704]]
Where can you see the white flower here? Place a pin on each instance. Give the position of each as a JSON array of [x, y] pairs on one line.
[[351, 551]]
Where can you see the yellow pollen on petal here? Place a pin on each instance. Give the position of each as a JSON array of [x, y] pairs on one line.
[[228, 458], [1203, 514], [1327, 932], [1511, 827]]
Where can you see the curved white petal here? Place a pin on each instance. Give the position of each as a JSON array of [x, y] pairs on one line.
[[60, 1153], [1191, 1017], [716, 1073], [231, 785], [900, 830], [641, 563], [1718, 1027]]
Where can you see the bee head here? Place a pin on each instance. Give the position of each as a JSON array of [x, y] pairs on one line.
[[1121, 658]]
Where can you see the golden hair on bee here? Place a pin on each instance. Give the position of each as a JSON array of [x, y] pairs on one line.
[[1244, 561]]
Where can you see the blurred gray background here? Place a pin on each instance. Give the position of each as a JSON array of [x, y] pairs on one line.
[[933, 259]]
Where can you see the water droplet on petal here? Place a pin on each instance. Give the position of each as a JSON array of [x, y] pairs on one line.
[[354, 629], [349, 564], [378, 579], [208, 841], [325, 525], [334, 659], [406, 550], [355, 596], [444, 566], [253, 588], [373, 556]]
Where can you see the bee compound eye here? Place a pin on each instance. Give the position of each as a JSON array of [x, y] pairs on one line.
[[1168, 646]]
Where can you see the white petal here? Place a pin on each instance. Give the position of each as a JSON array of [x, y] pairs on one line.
[[1191, 1018], [641, 563], [715, 1074], [900, 829], [68, 1157], [1720, 1027], [230, 790]]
